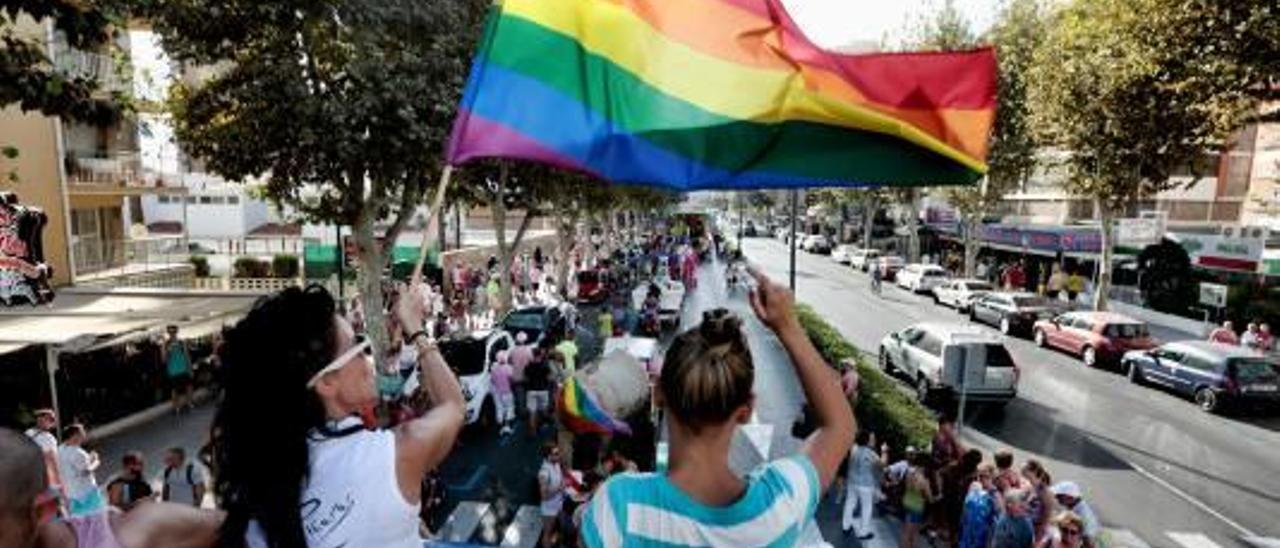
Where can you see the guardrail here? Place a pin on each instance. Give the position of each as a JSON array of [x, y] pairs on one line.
[[251, 285], [93, 256]]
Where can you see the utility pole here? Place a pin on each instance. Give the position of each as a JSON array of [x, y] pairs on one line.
[[342, 301], [795, 208]]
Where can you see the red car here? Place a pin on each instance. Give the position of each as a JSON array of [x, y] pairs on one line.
[[1098, 337], [593, 286]]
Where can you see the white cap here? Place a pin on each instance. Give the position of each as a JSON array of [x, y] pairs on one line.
[[1068, 488], [521, 337]]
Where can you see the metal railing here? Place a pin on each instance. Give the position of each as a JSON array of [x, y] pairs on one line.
[[116, 169], [93, 256], [76, 63]]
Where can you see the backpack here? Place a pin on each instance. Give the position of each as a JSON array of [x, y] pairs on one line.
[[190, 482]]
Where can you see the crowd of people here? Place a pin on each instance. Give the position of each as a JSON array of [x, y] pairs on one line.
[[1257, 336], [960, 497]]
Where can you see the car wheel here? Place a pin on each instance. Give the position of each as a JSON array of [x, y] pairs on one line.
[[1040, 340], [886, 363], [923, 390], [973, 315], [1005, 326], [1207, 400], [1135, 373], [1090, 356], [936, 300]]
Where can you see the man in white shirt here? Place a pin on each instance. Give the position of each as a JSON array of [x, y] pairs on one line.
[[183, 481], [76, 466], [42, 434]]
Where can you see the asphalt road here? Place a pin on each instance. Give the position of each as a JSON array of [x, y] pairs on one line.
[[1150, 462]]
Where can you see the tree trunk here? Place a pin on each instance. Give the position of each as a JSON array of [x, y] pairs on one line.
[[1103, 285], [868, 222], [913, 228], [369, 278], [566, 234], [971, 246]]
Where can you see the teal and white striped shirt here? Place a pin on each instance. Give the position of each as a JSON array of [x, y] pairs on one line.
[[646, 510]]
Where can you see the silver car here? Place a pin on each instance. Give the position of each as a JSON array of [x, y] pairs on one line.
[[935, 357]]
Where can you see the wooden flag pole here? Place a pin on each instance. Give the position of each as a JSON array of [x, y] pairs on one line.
[[428, 225]]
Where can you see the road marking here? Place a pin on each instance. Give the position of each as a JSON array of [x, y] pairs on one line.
[[1123, 538], [1192, 540], [1194, 501]]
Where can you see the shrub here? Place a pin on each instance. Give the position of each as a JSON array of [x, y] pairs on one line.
[[895, 417], [201, 265], [284, 266], [249, 267]]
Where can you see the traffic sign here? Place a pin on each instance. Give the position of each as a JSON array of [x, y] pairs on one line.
[[1214, 295]]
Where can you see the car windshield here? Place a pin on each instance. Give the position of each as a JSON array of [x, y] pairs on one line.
[[979, 286], [465, 356], [998, 356], [525, 319], [935, 273], [1255, 370], [1126, 331], [1029, 302]]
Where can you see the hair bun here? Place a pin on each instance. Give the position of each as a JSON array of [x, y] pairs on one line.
[[720, 327]]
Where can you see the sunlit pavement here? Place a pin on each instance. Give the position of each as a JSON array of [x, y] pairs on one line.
[[1157, 470]]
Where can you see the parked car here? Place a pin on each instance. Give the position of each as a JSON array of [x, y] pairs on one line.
[[862, 259], [919, 278], [959, 294], [816, 243], [1097, 337], [1012, 312], [750, 230], [933, 356], [1215, 375], [842, 253], [540, 323], [889, 266], [593, 286], [471, 356]]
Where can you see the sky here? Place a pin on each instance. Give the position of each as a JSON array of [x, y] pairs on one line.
[[861, 24]]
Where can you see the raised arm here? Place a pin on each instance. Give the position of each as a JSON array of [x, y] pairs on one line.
[[422, 443], [830, 442]]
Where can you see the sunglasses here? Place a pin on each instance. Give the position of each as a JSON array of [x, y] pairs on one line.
[[362, 345]]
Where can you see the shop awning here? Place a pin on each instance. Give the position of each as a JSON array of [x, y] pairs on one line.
[[81, 319]]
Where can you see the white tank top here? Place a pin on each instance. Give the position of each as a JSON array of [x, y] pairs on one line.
[[353, 497]]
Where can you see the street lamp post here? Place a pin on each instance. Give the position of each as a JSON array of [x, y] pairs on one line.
[[795, 207], [342, 302]]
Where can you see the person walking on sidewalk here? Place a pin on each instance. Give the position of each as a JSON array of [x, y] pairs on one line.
[[177, 360], [500, 378], [1225, 334], [42, 435], [182, 482], [129, 488], [285, 472], [863, 483], [76, 467], [705, 391]]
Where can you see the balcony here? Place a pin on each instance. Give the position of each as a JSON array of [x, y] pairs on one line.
[[117, 174], [111, 76]]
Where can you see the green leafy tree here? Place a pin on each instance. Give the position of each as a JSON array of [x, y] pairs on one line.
[[343, 107], [1134, 90], [30, 79]]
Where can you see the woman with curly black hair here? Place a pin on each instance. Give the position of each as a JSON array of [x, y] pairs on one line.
[[295, 465]]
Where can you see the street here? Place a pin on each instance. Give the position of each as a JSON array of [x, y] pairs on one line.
[[1151, 464]]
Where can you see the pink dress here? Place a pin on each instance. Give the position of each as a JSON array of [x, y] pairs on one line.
[[93, 531]]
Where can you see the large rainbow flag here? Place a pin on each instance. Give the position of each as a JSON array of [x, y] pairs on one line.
[[716, 94], [582, 414]]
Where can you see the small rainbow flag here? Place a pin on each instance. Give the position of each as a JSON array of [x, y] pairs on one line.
[[714, 94], [582, 414]]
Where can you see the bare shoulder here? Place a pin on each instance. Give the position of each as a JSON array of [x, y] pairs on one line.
[[156, 524]]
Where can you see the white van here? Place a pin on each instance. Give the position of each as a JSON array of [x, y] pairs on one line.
[[921, 278], [933, 355]]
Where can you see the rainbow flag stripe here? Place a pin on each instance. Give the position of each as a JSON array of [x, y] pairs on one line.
[[714, 94], [581, 414]]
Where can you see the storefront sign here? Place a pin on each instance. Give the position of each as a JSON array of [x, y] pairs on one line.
[[1139, 233], [24, 277], [1236, 252]]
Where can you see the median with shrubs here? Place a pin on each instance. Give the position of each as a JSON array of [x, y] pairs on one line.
[[895, 417]]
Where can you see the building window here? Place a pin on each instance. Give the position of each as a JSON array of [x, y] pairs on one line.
[[1080, 209], [1239, 165], [191, 199], [206, 200], [162, 199], [1189, 211], [233, 200], [1226, 212]]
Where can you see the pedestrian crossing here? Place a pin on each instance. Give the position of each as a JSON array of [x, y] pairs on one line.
[[1124, 538]]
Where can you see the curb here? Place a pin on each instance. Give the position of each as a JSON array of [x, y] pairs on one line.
[[128, 422]]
